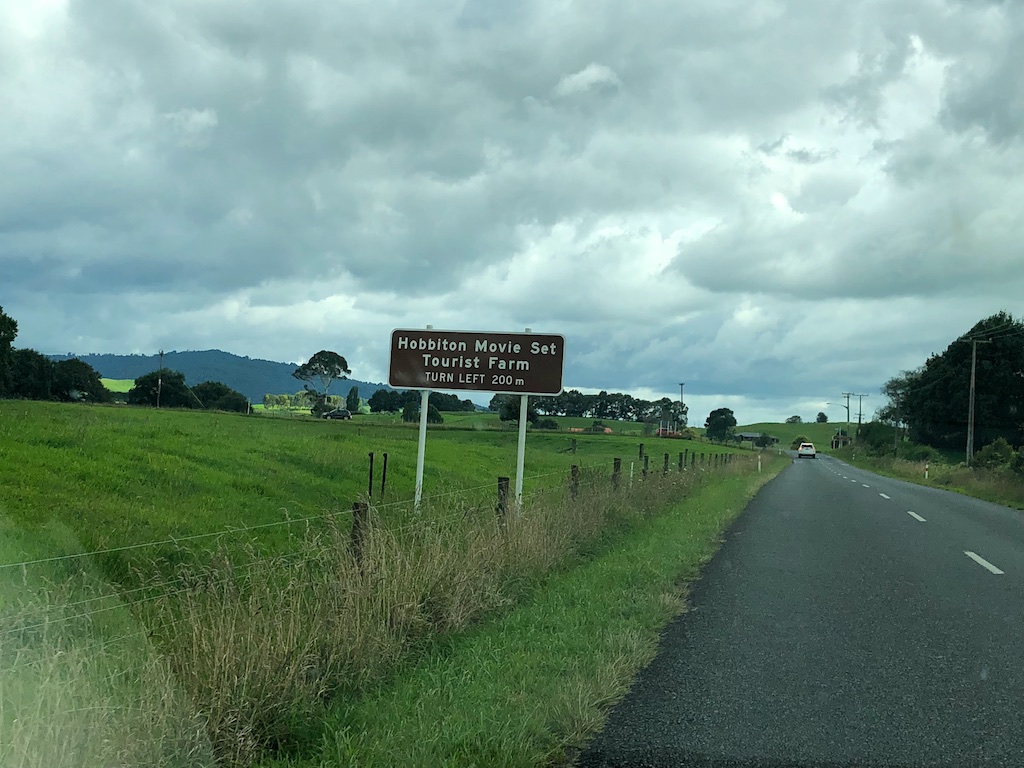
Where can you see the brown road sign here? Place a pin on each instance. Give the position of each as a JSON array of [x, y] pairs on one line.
[[508, 363]]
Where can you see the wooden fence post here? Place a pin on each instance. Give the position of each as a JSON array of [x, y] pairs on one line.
[[574, 481], [680, 461], [646, 457], [616, 473], [359, 514], [641, 451], [502, 507], [369, 484], [664, 470]]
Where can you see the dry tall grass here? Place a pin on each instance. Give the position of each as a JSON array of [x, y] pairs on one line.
[[261, 649], [70, 698], [1001, 485], [254, 647]]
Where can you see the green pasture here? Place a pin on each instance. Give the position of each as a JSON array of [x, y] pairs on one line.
[[95, 477], [819, 434], [118, 385]]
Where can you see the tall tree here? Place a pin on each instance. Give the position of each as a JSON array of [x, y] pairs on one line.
[[173, 391], [352, 401], [510, 411], [8, 332], [76, 380], [31, 375], [821, 418], [934, 400], [325, 367], [720, 424], [385, 401], [216, 396]]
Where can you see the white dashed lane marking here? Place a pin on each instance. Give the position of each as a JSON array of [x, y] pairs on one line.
[[883, 496], [983, 563], [915, 516]]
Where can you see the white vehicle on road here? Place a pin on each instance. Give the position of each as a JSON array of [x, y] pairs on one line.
[[806, 450]]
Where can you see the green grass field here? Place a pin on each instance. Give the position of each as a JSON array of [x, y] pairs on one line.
[[252, 607], [118, 385], [819, 434], [115, 476]]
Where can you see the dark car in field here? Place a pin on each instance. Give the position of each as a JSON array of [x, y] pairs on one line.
[[338, 413]]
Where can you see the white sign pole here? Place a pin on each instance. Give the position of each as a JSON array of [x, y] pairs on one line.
[[422, 450], [424, 400], [521, 455]]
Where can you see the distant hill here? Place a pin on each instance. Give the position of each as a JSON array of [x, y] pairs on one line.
[[254, 378]]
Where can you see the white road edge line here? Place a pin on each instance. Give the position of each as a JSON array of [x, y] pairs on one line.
[[916, 516], [983, 563], [884, 496]]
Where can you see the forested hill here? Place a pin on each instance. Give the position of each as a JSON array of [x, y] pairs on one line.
[[253, 378]]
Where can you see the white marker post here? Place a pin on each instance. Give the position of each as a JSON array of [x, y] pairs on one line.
[[521, 455], [422, 449]]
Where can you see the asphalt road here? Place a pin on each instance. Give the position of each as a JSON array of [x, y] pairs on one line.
[[848, 620]]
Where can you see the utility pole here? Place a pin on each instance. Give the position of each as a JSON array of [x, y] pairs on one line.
[[896, 425], [160, 379], [681, 385], [860, 410], [970, 406], [848, 395]]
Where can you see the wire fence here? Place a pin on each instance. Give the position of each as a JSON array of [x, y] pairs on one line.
[[469, 501]]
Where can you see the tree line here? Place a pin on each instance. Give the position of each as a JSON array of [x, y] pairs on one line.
[[603, 405], [931, 403], [28, 374]]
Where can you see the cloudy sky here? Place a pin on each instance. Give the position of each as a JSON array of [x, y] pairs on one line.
[[773, 201]]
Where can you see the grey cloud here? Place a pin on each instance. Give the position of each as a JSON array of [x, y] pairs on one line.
[[985, 90], [190, 158]]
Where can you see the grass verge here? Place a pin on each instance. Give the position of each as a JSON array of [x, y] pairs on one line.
[[532, 687], [1000, 486]]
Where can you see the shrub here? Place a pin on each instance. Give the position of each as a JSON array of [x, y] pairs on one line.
[[996, 454], [1017, 463], [546, 424], [912, 452]]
